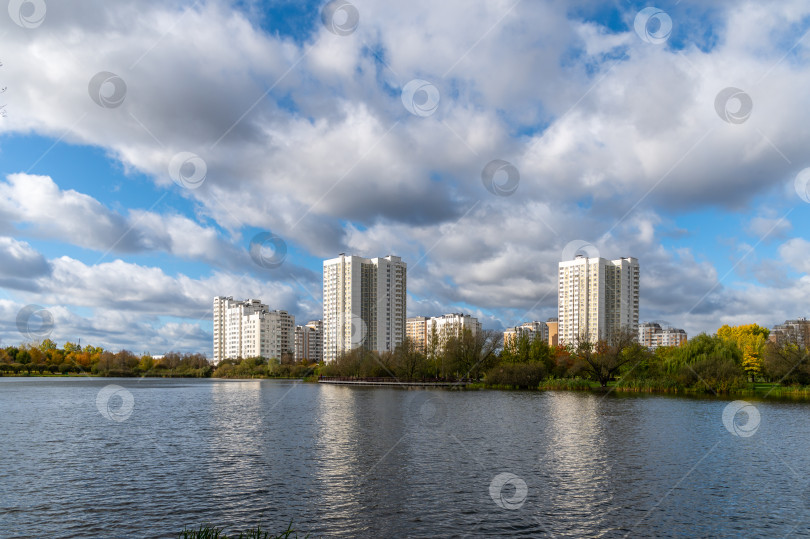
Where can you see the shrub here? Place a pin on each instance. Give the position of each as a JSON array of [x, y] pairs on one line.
[[713, 374], [519, 375]]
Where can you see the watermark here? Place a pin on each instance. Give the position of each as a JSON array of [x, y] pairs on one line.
[[741, 419], [35, 322], [730, 114], [354, 329], [107, 90], [340, 17], [579, 247], [27, 13], [3, 112], [428, 408], [115, 403], [508, 491], [653, 25], [504, 188], [801, 184], [268, 250], [420, 98], [188, 170]]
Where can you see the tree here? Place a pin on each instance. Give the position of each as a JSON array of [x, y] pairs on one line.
[[469, 355], [787, 359], [603, 360], [750, 339], [408, 362], [23, 357]]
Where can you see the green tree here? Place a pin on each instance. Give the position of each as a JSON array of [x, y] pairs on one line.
[[470, 355], [409, 363]]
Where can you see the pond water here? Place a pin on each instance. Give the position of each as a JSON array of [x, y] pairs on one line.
[[90, 457]]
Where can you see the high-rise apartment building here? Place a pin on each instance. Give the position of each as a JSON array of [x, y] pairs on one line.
[[363, 304], [309, 342], [441, 328], [597, 298], [530, 330], [244, 329], [416, 331], [652, 335]]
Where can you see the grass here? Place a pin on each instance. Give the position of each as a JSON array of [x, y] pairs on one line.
[[654, 385], [212, 532], [574, 384]]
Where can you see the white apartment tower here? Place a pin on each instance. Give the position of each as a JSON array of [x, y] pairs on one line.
[[244, 329], [363, 304], [597, 298]]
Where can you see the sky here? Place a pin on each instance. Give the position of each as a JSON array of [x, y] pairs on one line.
[[154, 155]]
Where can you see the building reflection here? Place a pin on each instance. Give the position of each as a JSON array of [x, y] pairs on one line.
[[362, 455], [235, 422], [576, 458]]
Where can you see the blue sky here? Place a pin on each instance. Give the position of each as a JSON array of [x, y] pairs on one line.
[[301, 127]]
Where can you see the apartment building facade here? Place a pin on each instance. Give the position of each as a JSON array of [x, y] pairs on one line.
[[309, 342], [553, 332], [597, 298], [529, 330], [249, 328], [364, 304], [416, 331], [652, 335], [441, 328], [796, 331]]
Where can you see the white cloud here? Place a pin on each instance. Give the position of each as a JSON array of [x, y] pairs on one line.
[[309, 139]]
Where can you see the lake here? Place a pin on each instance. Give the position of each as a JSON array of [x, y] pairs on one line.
[[90, 457]]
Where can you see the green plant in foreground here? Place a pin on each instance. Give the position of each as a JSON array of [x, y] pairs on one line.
[[212, 532]]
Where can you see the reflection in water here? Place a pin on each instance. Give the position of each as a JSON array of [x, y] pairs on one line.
[[235, 416], [338, 452], [360, 453], [359, 462], [579, 479]]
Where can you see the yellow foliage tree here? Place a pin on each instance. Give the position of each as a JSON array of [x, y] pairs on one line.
[[750, 339]]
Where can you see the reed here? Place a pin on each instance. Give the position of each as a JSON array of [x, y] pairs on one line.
[[212, 532]]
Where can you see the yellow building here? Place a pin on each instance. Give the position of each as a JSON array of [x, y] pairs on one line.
[[416, 332]]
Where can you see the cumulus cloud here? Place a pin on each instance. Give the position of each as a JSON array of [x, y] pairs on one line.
[[307, 136]]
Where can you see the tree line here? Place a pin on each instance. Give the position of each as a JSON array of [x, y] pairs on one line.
[[47, 358], [727, 360]]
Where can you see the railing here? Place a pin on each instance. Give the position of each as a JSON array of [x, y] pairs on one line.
[[392, 380]]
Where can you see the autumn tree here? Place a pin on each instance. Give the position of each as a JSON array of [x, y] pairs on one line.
[[750, 339], [603, 360]]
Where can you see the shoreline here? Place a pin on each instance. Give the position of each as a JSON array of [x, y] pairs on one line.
[[758, 391]]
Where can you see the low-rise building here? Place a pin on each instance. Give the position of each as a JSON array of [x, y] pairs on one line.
[[797, 331], [441, 328], [530, 330], [652, 335], [553, 338]]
